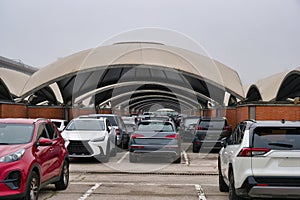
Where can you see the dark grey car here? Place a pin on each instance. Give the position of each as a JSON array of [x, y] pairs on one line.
[[155, 139]]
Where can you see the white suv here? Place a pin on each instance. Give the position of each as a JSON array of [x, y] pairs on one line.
[[261, 160], [90, 137]]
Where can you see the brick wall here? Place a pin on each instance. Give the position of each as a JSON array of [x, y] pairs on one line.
[[13, 111], [45, 112], [275, 112]]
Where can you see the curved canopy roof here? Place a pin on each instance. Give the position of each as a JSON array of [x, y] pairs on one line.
[[14, 80], [278, 87], [108, 71], [290, 86]]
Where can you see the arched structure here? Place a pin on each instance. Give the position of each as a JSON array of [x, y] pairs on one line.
[[125, 74], [290, 86]]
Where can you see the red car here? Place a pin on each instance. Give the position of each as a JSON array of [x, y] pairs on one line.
[[32, 154]]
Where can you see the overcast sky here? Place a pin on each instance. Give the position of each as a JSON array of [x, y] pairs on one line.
[[257, 38]]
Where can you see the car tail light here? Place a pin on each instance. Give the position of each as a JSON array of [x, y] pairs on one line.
[[249, 152], [136, 147], [136, 135], [173, 136], [200, 128], [227, 128], [117, 131], [262, 184]]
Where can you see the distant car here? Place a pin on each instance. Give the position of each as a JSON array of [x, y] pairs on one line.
[[155, 139], [187, 128], [32, 154], [60, 123], [147, 115], [261, 160], [122, 136], [209, 133], [90, 137]]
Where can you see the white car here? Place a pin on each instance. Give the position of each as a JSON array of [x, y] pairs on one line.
[[90, 137], [60, 123], [261, 160]]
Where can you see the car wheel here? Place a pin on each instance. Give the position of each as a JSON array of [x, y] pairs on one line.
[[32, 187], [232, 192], [63, 182], [105, 158], [223, 187], [178, 160], [113, 152], [132, 158]]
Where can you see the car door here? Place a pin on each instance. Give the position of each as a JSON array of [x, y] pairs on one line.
[[45, 154], [57, 154], [228, 154]]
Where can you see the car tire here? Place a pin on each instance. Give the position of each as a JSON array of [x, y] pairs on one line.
[[113, 152], [132, 158], [178, 160], [105, 158], [223, 187], [232, 192], [32, 187], [63, 182]]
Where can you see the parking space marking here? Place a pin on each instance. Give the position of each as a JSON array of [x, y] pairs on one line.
[[186, 158], [123, 157], [200, 192], [90, 191]]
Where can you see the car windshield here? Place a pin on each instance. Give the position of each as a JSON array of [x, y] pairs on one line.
[[155, 126], [277, 138], [90, 125], [15, 133]]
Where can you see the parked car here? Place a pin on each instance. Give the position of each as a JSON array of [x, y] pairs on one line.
[[122, 136], [261, 160], [187, 128], [209, 133], [60, 124], [155, 139], [90, 137], [32, 154]]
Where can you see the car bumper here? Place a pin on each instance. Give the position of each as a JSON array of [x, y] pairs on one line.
[[208, 144], [162, 153], [271, 187], [86, 149], [12, 180]]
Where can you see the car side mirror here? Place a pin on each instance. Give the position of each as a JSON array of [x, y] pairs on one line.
[[44, 142]]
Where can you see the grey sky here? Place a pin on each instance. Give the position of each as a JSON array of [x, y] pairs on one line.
[[257, 38]]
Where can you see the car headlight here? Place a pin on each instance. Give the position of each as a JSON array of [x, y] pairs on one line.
[[100, 139], [13, 157]]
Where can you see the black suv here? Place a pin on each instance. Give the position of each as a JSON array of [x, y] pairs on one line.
[[209, 133]]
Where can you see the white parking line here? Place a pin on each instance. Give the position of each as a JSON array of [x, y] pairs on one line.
[[123, 157], [90, 191], [186, 158], [200, 192]]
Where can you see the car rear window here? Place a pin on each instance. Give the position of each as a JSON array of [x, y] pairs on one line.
[[277, 138], [155, 126], [15, 133], [212, 124]]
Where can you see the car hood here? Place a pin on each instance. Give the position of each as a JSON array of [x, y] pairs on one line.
[[8, 149], [82, 135]]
